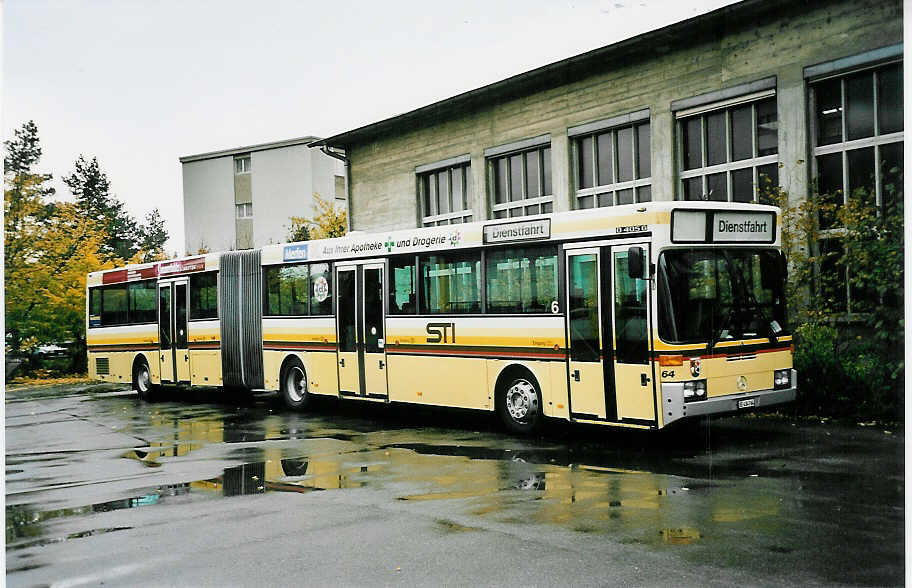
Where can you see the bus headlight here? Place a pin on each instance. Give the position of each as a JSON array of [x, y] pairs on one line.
[[782, 379], [695, 390]]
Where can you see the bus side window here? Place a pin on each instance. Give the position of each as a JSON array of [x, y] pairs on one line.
[[204, 295], [402, 286], [114, 305], [95, 307], [451, 283], [320, 289]]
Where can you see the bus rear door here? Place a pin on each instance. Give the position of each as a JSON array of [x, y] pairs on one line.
[[360, 325], [173, 352]]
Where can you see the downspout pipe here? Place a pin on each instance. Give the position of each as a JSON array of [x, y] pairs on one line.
[[344, 159]]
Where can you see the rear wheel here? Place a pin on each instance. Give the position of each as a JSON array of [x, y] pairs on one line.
[[142, 380], [520, 404], [294, 385]]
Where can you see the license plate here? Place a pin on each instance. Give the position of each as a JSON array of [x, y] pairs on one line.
[[747, 403]]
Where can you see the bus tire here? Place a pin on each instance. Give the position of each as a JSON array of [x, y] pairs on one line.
[[142, 380], [293, 384], [519, 403]]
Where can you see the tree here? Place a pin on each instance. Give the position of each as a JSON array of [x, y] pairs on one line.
[[50, 247], [91, 187], [298, 231], [851, 359], [152, 236], [326, 224]]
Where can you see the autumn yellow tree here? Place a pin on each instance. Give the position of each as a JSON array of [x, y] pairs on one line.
[[328, 222], [50, 246]]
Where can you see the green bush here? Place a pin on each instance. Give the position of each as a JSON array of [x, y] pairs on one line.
[[844, 377]]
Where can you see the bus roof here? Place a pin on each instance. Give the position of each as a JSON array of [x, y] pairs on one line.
[[627, 220]]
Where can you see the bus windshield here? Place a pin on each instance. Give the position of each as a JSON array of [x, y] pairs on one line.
[[711, 295]]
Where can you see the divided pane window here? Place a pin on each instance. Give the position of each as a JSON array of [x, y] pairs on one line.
[[451, 283], [521, 280], [730, 154], [859, 133], [242, 164], [522, 183], [445, 195], [857, 126], [204, 296], [613, 167], [243, 210]]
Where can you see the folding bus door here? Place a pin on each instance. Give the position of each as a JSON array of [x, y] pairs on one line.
[[375, 384], [631, 318], [181, 347], [587, 378], [165, 340], [348, 352]]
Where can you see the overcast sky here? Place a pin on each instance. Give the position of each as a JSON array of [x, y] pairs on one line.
[[140, 83]]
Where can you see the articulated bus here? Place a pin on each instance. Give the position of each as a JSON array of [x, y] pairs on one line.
[[633, 316]]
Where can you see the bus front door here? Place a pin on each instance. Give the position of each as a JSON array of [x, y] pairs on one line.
[[173, 352], [630, 313], [360, 319], [587, 377]]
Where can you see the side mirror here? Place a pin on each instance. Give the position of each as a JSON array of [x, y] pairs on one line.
[[636, 262]]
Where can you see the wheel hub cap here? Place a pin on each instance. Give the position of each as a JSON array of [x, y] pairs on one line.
[[295, 385], [521, 400]]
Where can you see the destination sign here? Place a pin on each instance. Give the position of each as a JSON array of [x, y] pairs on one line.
[[182, 266], [749, 227], [295, 252], [722, 226], [518, 231]]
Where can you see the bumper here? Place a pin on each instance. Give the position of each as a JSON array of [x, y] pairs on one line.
[[674, 407]]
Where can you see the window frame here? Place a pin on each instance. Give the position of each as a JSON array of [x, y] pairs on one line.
[[704, 171], [242, 164], [429, 215], [843, 148], [611, 189], [877, 140], [243, 211], [502, 155]]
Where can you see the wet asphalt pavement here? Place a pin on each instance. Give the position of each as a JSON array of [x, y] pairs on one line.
[[192, 490]]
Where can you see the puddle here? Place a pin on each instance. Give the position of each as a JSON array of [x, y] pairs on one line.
[[454, 527], [22, 522], [683, 536], [50, 541]]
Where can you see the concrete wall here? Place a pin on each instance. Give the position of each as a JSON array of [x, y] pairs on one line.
[[209, 204], [383, 171], [281, 184], [282, 180]]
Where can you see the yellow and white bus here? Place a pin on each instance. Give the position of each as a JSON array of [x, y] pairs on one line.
[[631, 316]]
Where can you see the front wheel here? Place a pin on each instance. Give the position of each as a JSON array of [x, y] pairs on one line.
[[520, 405], [294, 386], [142, 380]]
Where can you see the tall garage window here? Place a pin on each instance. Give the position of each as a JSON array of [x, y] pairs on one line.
[[445, 192], [612, 161], [520, 178], [728, 150], [857, 136]]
